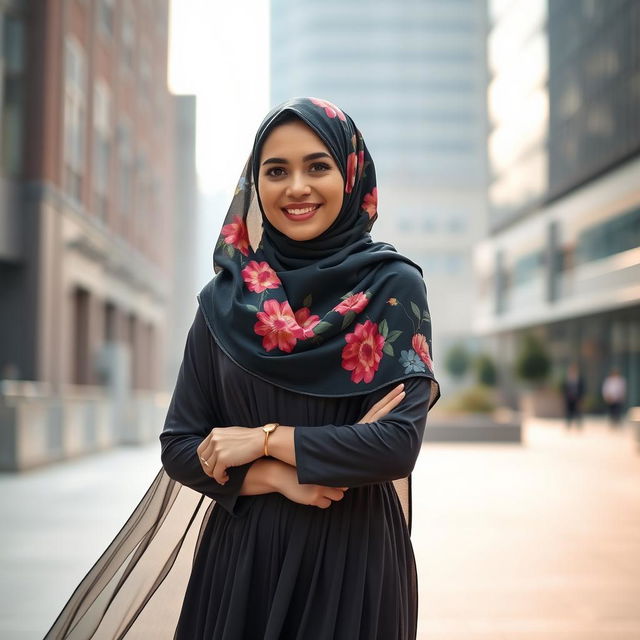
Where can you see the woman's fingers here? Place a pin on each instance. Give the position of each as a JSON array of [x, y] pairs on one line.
[[337, 494], [385, 404], [385, 399], [205, 453], [219, 474], [389, 406]]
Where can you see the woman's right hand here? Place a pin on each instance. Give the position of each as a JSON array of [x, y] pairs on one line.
[[380, 409], [285, 481]]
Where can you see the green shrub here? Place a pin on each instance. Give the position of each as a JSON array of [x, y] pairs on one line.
[[486, 372], [457, 360], [477, 399], [533, 363]]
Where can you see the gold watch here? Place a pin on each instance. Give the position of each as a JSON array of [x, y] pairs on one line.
[[268, 428]]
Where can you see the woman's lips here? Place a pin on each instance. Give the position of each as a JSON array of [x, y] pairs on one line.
[[309, 212]]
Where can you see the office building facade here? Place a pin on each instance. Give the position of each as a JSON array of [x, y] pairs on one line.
[[562, 258]]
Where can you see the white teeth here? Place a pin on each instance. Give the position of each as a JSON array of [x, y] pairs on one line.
[[299, 212]]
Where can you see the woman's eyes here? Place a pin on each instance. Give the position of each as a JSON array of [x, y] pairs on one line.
[[322, 166], [316, 167], [275, 172]]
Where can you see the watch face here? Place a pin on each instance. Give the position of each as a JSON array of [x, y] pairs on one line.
[[269, 427]]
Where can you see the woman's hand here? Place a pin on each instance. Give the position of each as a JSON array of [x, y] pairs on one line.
[[229, 447], [284, 479], [384, 405]]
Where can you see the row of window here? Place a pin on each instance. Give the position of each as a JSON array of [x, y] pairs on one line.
[[433, 223], [134, 175], [613, 236], [446, 263], [595, 242]]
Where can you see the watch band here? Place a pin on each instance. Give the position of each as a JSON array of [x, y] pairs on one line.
[[268, 428]]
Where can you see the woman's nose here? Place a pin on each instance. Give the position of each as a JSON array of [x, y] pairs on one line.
[[298, 185]]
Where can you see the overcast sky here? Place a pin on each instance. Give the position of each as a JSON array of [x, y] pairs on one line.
[[220, 52]]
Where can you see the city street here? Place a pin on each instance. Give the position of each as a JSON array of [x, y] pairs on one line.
[[532, 542]]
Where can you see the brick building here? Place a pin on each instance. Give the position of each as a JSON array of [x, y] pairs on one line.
[[86, 197]]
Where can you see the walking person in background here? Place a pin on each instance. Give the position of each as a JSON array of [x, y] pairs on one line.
[[573, 390], [614, 393], [283, 510]]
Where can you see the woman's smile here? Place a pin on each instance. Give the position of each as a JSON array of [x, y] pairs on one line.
[[302, 211]]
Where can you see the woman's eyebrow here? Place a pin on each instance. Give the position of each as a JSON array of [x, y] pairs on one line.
[[311, 156]]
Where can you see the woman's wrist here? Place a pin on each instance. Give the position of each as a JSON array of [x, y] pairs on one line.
[[281, 445], [262, 477]]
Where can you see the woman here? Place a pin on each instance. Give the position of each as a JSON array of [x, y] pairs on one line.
[[321, 337]]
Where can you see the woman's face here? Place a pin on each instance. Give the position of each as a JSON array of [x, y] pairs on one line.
[[300, 184]]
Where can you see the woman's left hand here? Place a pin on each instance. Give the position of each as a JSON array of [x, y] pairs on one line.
[[229, 447]]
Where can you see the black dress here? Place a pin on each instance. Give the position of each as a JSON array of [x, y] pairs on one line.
[[269, 568]]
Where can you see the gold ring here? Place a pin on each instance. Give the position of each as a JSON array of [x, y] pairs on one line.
[[205, 462]]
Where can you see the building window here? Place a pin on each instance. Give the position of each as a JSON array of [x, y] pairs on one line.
[[106, 17], [12, 95], [613, 236], [141, 193], [145, 74], [110, 322], [527, 267], [101, 147], [128, 37], [125, 173], [80, 342], [74, 117]]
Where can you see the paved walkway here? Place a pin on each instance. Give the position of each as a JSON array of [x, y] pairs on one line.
[[533, 542], [539, 542]]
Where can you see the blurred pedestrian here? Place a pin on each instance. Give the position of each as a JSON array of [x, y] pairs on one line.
[[308, 322], [614, 393], [573, 390]]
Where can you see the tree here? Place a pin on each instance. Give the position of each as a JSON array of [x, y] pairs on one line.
[[533, 363], [457, 360], [486, 370]]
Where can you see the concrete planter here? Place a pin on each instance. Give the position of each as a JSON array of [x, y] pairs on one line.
[[503, 425], [541, 403], [633, 416], [38, 427]]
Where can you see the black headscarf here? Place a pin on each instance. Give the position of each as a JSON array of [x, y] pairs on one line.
[[337, 315]]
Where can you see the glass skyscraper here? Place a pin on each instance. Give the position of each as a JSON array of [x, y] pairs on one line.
[[412, 74]]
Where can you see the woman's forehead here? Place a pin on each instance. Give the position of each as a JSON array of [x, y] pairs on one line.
[[296, 138]]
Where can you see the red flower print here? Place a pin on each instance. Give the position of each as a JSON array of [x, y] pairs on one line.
[[356, 302], [352, 163], [236, 234], [370, 202], [329, 108], [363, 352], [259, 276], [360, 163], [421, 347], [278, 326], [306, 322]]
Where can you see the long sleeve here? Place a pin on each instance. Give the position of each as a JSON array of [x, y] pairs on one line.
[[191, 416], [359, 454]]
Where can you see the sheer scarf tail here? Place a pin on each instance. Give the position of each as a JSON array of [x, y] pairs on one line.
[[135, 589]]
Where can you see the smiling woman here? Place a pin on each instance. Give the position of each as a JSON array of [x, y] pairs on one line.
[[283, 509], [300, 185]]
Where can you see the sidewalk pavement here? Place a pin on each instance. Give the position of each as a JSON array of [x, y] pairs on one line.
[[532, 542], [538, 542]]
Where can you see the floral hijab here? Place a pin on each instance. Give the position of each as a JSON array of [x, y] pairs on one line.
[[338, 315]]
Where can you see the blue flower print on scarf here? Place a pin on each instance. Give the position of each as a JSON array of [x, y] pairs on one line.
[[411, 362]]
